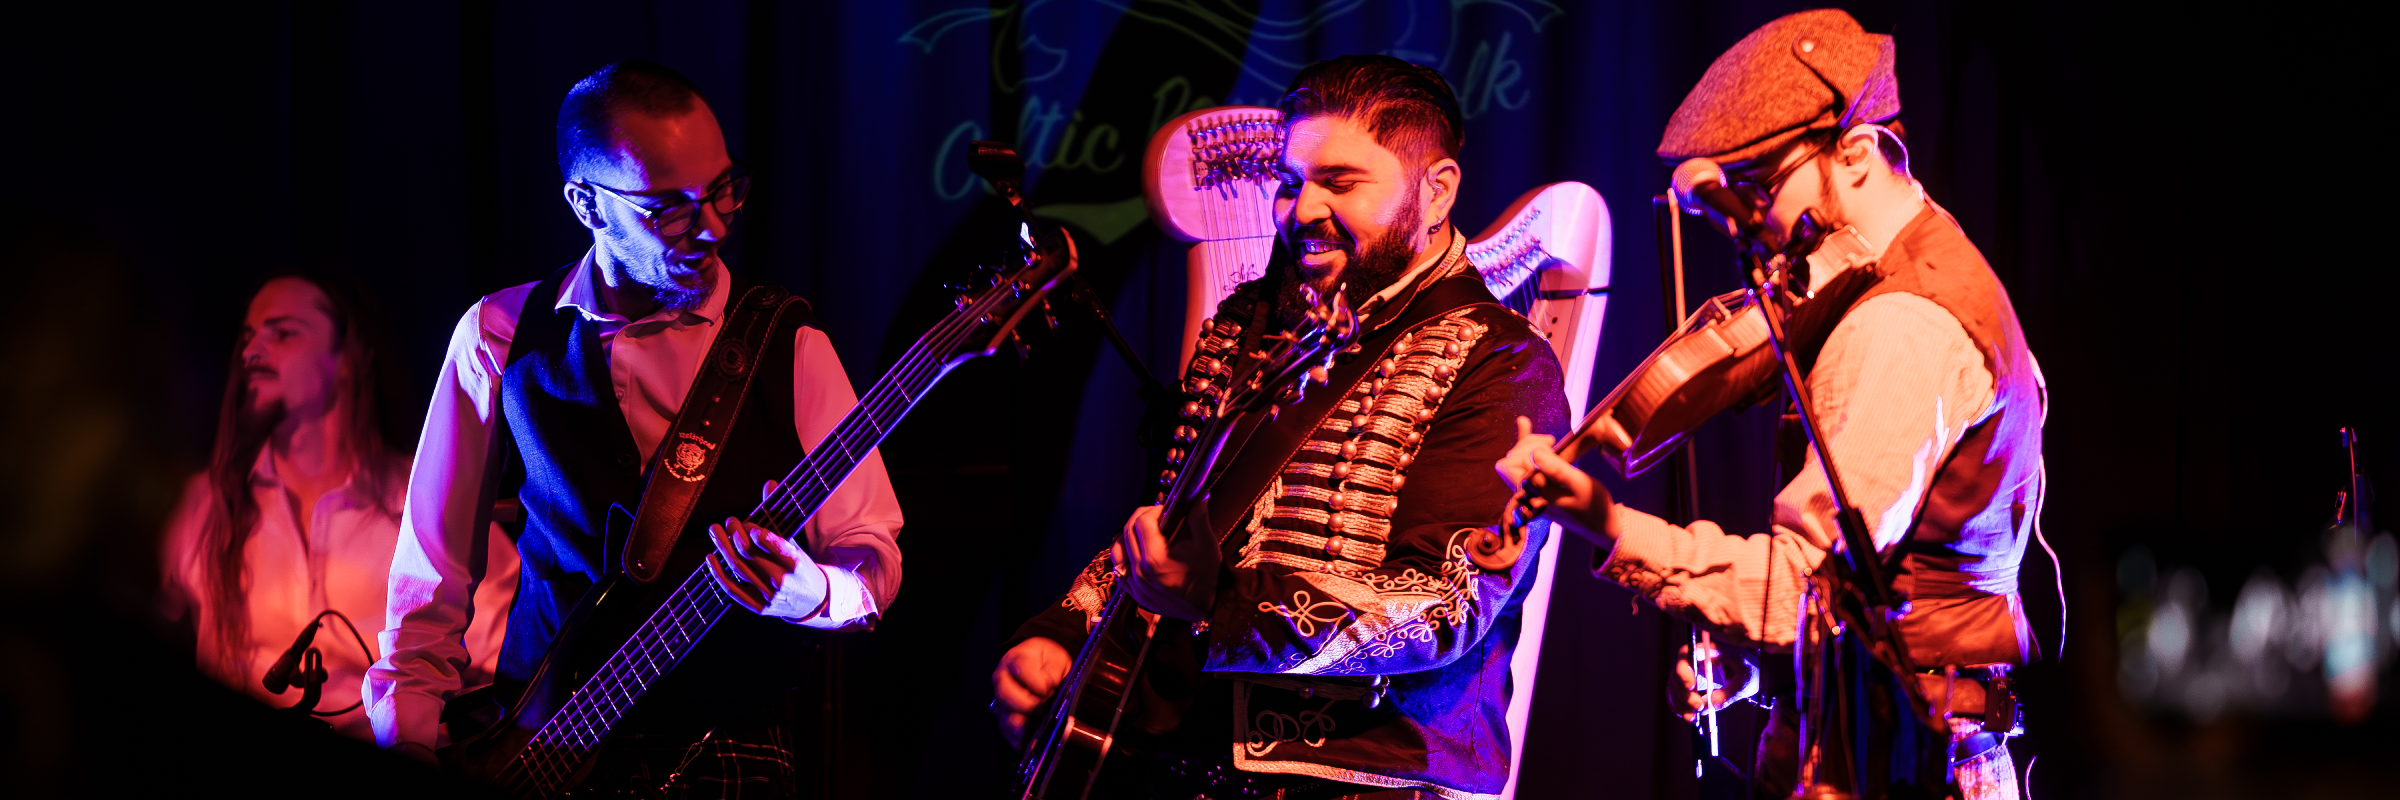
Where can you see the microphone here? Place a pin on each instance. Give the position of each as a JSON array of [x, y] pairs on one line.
[[1700, 183], [279, 677]]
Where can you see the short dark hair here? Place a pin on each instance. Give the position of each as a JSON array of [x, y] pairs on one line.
[[586, 124], [1409, 108]]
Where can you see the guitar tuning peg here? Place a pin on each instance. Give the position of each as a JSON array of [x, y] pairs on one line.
[[958, 300], [1318, 375]]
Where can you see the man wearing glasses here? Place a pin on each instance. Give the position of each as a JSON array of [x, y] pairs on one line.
[[1924, 389], [587, 370]]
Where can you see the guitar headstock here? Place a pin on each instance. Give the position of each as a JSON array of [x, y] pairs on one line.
[[1279, 372], [1042, 257]]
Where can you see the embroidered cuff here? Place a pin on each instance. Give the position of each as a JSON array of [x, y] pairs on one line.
[[1644, 545]]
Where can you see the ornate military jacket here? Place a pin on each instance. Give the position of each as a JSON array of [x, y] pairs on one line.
[[1352, 639]]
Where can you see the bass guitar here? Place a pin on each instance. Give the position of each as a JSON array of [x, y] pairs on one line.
[[1063, 759], [626, 635]]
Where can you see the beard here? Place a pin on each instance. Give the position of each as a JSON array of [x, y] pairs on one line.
[[647, 264], [257, 416], [680, 298], [1367, 271]]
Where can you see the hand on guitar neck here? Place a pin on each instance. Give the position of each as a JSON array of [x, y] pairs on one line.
[[1171, 579], [763, 571], [1177, 579], [1548, 484]]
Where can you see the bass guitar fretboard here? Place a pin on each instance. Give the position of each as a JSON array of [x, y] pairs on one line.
[[662, 641]]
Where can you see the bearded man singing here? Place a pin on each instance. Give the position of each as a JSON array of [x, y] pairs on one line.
[[1331, 636]]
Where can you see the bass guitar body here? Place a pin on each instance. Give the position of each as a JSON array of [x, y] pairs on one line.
[[584, 688]]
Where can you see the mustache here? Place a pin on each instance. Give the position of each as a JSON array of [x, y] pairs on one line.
[[1323, 231]]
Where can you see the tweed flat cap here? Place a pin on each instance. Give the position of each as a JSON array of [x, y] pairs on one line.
[[1807, 71]]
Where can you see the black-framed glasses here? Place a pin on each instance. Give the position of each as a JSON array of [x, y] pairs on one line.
[[677, 218], [1760, 194]]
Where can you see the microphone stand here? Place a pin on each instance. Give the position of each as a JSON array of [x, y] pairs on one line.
[[1861, 598], [1683, 507]]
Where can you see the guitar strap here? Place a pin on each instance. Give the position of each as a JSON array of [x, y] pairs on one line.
[[680, 470]]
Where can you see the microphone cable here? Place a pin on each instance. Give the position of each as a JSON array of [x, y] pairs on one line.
[[301, 655]]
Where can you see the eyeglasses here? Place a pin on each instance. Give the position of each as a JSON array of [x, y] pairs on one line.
[[1760, 194], [677, 218]]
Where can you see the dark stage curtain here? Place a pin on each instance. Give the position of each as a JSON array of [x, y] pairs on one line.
[[2168, 192]]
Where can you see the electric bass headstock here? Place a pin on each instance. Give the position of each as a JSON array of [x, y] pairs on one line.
[[1042, 256]]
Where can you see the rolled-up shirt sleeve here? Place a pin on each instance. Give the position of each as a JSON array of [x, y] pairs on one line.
[[855, 534], [431, 591], [1897, 385]]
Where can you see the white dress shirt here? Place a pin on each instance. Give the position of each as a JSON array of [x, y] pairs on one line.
[[651, 364], [338, 562]]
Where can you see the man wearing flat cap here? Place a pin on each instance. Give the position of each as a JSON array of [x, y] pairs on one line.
[[1922, 385]]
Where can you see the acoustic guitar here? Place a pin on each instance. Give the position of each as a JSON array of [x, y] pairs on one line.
[[1209, 179], [624, 636], [1063, 758]]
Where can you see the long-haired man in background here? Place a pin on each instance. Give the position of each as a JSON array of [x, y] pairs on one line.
[[299, 509]]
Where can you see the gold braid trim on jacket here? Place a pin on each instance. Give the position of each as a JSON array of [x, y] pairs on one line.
[[1336, 516]]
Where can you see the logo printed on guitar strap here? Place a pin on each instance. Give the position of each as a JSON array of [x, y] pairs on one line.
[[689, 457]]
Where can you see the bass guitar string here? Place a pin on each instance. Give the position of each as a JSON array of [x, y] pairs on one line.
[[602, 702], [918, 364]]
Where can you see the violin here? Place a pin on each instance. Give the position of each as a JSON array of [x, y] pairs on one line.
[[1719, 359]]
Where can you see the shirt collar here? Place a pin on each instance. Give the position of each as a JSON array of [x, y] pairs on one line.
[[1386, 305], [262, 475], [582, 293], [1439, 267]]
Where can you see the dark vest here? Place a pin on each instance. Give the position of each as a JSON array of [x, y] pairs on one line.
[[572, 458], [1959, 563]]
